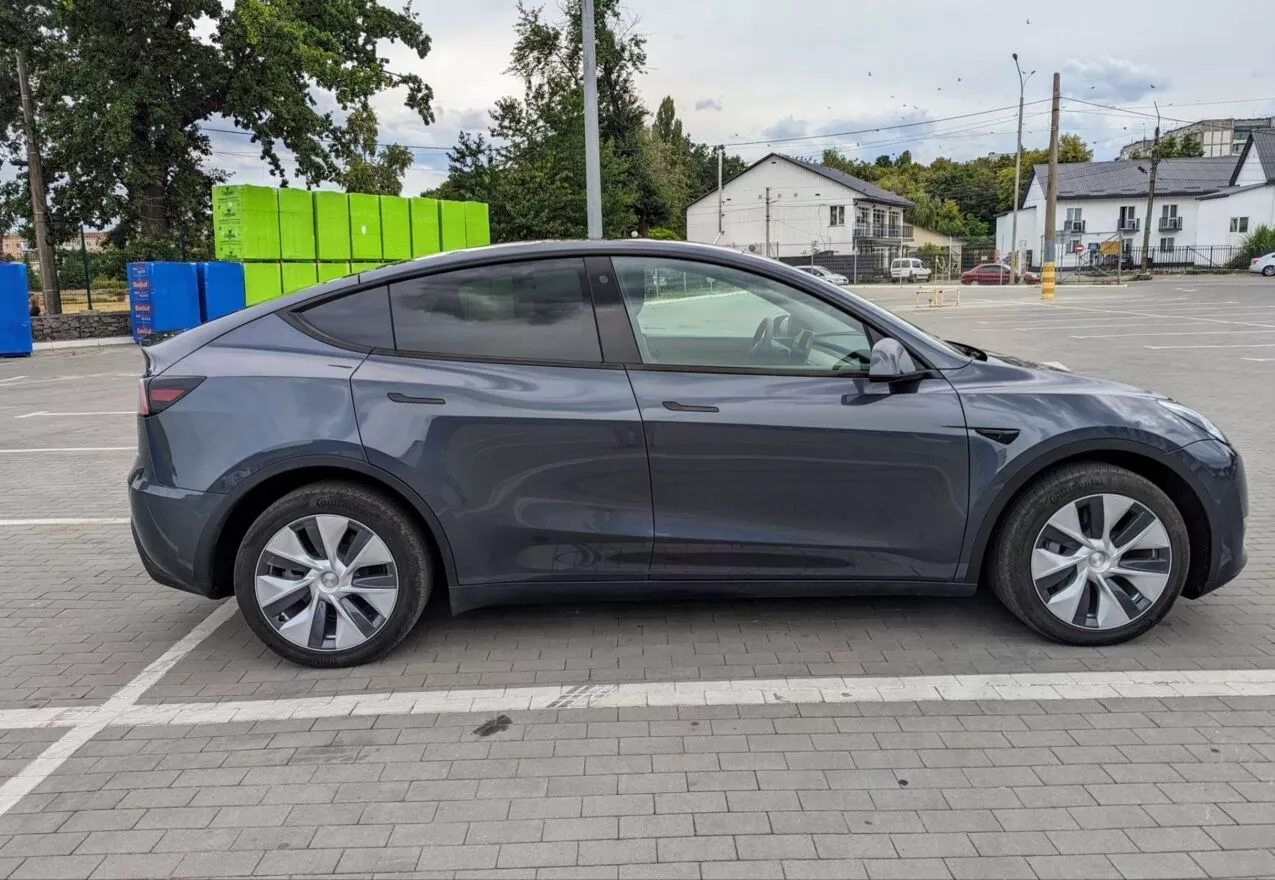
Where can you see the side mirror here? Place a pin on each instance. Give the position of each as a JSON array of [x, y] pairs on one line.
[[891, 362]]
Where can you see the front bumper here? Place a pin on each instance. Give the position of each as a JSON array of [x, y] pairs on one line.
[[167, 526], [1222, 487]]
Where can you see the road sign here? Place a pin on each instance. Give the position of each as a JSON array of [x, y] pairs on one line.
[[1093, 247], [1110, 248], [1079, 248]]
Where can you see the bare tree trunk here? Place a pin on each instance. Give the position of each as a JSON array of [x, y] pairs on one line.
[[155, 209], [39, 207]]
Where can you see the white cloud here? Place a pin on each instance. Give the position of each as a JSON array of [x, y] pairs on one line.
[[1112, 79], [708, 104]]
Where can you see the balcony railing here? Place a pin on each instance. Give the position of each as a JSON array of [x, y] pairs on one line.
[[1073, 226], [1170, 223], [1129, 225], [889, 231]]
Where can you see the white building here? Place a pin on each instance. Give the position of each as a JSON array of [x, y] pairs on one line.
[[1203, 207], [784, 207]]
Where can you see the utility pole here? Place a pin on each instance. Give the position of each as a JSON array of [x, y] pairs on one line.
[[592, 163], [39, 207], [1155, 161], [1018, 167], [768, 221], [1048, 269], [721, 217]]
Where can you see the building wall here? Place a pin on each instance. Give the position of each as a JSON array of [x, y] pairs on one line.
[[1258, 205], [800, 215]]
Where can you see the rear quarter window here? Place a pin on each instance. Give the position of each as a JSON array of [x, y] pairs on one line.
[[360, 319]]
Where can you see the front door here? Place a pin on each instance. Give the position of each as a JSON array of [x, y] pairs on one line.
[[496, 408], [772, 455]]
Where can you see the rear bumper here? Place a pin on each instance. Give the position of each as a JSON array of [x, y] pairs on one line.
[[1223, 490], [167, 526]]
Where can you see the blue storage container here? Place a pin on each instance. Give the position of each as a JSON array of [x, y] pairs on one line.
[[15, 311], [221, 289], [162, 296]]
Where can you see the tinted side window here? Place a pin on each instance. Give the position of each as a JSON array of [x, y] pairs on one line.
[[537, 310], [361, 318]]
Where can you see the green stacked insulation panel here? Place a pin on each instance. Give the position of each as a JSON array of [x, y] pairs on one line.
[[396, 228], [424, 227], [296, 224], [330, 271], [261, 281], [451, 217], [245, 222], [299, 276], [365, 227], [477, 224], [364, 267], [332, 226]]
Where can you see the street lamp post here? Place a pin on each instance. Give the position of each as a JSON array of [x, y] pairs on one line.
[[1018, 166]]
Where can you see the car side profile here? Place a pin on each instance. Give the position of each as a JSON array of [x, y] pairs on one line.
[[826, 274], [997, 273], [1263, 265], [908, 269], [596, 421]]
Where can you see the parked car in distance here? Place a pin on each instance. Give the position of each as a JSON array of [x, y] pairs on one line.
[[997, 273], [1264, 264], [825, 274], [543, 422], [908, 269]]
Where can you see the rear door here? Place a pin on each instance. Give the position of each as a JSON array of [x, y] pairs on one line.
[[494, 405], [772, 455]]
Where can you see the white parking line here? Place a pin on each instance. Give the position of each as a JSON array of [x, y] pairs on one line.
[[1238, 345], [11, 379], [52, 449], [67, 521], [1043, 686], [44, 413], [30, 776], [1184, 333]]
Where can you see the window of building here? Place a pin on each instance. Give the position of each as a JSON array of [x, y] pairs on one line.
[[536, 310], [1166, 244], [1239, 224], [1128, 217], [1168, 211], [836, 215]]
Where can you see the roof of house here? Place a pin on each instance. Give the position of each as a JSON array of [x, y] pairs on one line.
[[1229, 191], [1130, 177], [870, 192], [1262, 140]]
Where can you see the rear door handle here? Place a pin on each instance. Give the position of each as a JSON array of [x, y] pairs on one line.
[[407, 398], [674, 406]]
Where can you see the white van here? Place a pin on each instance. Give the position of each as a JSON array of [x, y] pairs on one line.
[[908, 269]]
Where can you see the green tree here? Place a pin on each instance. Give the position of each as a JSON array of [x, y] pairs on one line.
[[370, 168], [1173, 147], [126, 87]]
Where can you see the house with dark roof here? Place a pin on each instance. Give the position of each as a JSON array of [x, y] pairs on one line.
[[1203, 206], [786, 207]]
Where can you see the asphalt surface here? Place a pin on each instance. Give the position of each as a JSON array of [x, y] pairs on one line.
[[839, 738]]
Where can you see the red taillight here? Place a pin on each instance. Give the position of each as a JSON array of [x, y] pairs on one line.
[[1255, 261], [159, 393]]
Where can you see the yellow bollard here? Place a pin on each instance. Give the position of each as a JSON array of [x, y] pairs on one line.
[[1047, 282]]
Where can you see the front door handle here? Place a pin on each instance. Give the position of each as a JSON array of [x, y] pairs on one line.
[[406, 398], [674, 406]]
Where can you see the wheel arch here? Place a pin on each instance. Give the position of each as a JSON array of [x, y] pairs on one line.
[[1146, 461], [216, 552]]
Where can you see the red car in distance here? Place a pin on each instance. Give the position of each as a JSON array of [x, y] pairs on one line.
[[997, 273]]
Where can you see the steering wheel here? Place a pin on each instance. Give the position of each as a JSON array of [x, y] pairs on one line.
[[863, 358], [762, 337]]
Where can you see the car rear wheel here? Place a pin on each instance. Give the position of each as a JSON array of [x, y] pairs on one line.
[[1091, 554], [1268, 271], [332, 574]]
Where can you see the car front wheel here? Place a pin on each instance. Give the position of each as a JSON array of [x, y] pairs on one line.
[[332, 574], [1268, 271], [1091, 554]]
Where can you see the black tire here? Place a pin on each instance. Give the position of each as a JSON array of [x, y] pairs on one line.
[[1010, 559], [1268, 271], [387, 519]]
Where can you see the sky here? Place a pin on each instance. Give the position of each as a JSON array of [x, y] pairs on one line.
[[755, 75]]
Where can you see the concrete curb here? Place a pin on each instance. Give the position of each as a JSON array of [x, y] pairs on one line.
[[81, 343]]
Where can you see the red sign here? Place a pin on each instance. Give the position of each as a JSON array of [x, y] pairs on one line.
[[1079, 248]]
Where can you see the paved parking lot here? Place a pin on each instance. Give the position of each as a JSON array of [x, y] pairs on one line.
[[147, 733]]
